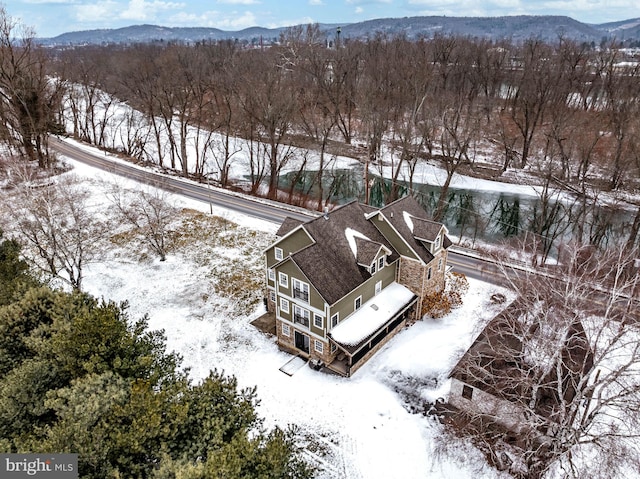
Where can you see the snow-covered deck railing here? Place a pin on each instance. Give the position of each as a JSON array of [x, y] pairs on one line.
[[373, 314]]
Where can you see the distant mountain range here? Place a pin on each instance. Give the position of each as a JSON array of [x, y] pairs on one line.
[[516, 28]]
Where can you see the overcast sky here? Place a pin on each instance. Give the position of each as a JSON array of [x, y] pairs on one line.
[[52, 17]]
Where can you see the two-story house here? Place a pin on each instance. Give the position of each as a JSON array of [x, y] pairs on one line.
[[343, 284]]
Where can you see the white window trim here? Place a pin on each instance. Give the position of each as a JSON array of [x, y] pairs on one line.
[[355, 303], [318, 346], [286, 330], [337, 316], [283, 280], [380, 263], [378, 287], [304, 287], [278, 253], [321, 321], [372, 268], [300, 310], [271, 274], [272, 295], [284, 305]]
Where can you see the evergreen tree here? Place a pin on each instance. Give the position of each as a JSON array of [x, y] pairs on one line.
[[78, 375], [14, 272]]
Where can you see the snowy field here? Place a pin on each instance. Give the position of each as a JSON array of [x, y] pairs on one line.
[[361, 427]]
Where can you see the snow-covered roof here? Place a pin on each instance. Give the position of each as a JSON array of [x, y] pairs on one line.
[[407, 219], [372, 315]]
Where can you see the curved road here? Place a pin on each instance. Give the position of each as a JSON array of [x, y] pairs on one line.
[[257, 207], [263, 209]]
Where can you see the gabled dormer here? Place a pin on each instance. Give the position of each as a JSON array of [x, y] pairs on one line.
[[370, 254], [415, 237], [430, 233]]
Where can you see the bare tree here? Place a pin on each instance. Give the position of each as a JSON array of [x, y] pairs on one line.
[[557, 371], [268, 100], [28, 98], [61, 232], [150, 214], [531, 84]]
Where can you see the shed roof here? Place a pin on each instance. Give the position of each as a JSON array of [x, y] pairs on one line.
[[372, 315]]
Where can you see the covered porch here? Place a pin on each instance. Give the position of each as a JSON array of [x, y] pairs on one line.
[[363, 333]]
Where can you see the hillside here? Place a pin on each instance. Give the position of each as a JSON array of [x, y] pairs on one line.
[[516, 28]]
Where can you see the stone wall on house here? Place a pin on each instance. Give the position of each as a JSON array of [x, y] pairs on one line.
[[410, 274], [415, 276], [287, 343], [436, 283], [326, 356]]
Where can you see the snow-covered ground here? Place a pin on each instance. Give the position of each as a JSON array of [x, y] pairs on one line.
[[362, 427]]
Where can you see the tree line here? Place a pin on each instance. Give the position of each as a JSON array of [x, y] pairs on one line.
[[565, 112]]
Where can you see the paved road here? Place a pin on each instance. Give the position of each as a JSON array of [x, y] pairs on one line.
[[259, 208], [461, 261], [474, 267], [263, 209]]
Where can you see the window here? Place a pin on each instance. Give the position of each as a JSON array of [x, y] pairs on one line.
[[284, 305], [286, 330], [300, 290], [467, 392], [372, 268], [357, 303], [437, 245], [429, 274], [378, 287], [272, 275], [381, 263], [272, 295], [334, 320], [318, 346], [284, 280], [333, 348], [279, 254], [318, 321], [440, 264], [301, 315]]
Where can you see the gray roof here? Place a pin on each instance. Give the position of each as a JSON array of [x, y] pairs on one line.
[[498, 363], [395, 213], [366, 251], [288, 225], [426, 230], [329, 263]]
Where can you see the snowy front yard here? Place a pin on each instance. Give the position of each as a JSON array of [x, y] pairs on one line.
[[361, 427]]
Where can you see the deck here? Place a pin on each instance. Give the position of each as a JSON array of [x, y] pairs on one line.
[[266, 323]]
